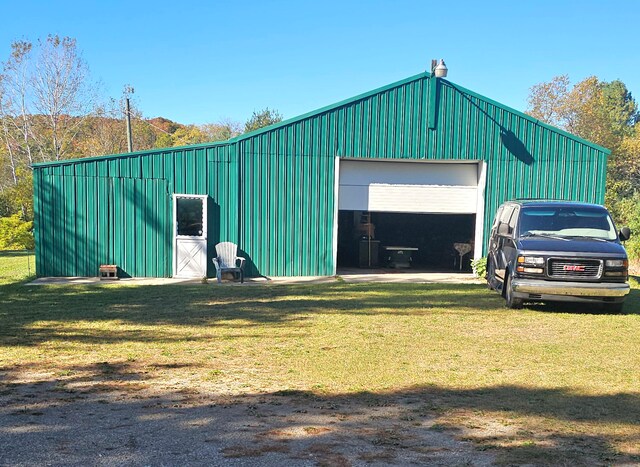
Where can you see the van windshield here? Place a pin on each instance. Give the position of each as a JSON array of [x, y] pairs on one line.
[[566, 222]]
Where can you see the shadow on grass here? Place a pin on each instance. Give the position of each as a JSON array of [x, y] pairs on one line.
[[518, 425], [15, 253], [631, 306], [534, 425], [206, 305], [57, 308]]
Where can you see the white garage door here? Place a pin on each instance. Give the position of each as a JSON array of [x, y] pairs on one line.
[[419, 187]]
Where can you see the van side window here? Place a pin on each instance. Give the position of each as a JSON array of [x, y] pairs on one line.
[[514, 218], [497, 218], [506, 214]]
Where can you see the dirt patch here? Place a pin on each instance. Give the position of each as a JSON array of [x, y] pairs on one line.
[[103, 419]]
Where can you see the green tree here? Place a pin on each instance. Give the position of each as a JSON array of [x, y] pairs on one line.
[[221, 131], [15, 233], [261, 119], [45, 97], [607, 114], [189, 134], [601, 112], [62, 93], [623, 172], [164, 140], [547, 101]]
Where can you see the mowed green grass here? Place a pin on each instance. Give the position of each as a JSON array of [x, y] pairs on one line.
[[543, 385], [16, 266]]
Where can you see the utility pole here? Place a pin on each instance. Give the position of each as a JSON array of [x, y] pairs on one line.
[[128, 117]]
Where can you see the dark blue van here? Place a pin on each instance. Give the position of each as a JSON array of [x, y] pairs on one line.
[[557, 251]]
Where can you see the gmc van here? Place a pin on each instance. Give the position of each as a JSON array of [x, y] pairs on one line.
[[543, 251]]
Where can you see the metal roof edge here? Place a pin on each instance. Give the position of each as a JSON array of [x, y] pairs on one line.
[[330, 107], [130, 154], [530, 118]]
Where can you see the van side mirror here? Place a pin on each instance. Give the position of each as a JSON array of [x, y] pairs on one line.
[[624, 234], [504, 229]]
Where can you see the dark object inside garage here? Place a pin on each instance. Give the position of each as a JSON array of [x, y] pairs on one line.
[[362, 238]]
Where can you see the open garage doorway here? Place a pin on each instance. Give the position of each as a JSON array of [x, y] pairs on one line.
[[410, 215], [398, 241]]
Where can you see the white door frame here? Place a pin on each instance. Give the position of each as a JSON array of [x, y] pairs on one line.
[[336, 194], [203, 238], [482, 185]]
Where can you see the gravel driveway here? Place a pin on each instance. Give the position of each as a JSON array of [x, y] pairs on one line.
[[46, 422]]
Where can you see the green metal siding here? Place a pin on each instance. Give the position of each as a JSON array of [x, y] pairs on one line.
[[287, 205], [118, 210], [101, 220], [273, 191]]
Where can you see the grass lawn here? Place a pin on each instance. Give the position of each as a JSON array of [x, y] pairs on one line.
[[16, 266], [543, 385]]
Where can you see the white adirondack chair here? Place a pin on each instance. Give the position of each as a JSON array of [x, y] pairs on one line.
[[228, 261]]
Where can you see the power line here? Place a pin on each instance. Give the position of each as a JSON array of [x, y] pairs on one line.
[[146, 121]]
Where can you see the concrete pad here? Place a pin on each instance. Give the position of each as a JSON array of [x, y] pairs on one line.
[[410, 278], [65, 281], [347, 275], [123, 281], [294, 280]]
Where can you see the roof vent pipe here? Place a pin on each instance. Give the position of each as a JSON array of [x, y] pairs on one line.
[[440, 70]]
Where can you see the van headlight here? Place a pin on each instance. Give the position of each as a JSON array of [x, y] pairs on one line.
[[531, 260], [530, 264], [616, 263]]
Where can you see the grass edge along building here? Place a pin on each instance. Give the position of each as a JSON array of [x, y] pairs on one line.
[[422, 162]]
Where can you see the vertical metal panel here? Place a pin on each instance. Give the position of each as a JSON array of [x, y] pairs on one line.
[[37, 218]]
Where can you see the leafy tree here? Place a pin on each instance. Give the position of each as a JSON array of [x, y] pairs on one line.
[[61, 91], [164, 140], [175, 134], [547, 101], [183, 135], [7, 207], [221, 131], [44, 98], [15, 121], [189, 134], [607, 114], [103, 132], [261, 119], [623, 174], [15, 233], [601, 112], [626, 211]]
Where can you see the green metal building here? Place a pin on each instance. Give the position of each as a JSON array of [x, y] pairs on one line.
[[419, 163]]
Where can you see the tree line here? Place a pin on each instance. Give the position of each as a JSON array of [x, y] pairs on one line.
[[51, 109], [604, 113]]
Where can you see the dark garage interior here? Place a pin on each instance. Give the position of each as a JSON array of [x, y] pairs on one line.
[[367, 240]]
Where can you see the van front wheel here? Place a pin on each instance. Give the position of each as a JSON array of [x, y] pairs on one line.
[[511, 301]]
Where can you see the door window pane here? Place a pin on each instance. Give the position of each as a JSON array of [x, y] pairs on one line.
[[189, 214]]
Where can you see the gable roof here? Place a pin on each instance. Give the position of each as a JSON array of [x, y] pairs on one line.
[[333, 107]]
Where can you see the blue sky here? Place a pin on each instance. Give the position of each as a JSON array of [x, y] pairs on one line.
[[199, 62]]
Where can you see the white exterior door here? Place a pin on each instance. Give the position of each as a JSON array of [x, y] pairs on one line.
[[190, 235]]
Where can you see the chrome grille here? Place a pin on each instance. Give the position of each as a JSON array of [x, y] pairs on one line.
[[575, 268]]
